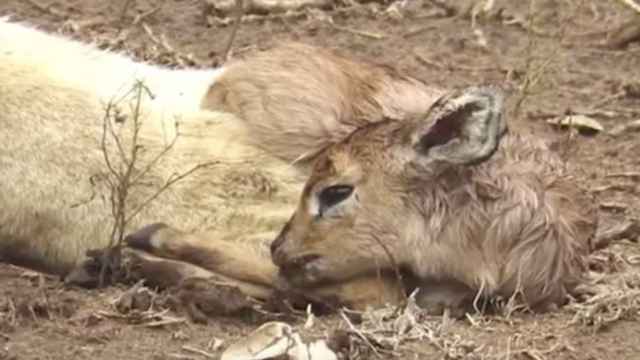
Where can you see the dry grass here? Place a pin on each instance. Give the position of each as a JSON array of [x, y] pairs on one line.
[[382, 332], [611, 295], [612, 292]]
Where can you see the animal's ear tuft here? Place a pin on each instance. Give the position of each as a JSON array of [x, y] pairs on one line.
[[463, 127]]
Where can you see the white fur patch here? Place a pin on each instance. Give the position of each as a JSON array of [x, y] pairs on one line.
[[104, 73]]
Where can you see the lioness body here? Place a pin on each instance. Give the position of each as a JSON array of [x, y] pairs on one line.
[[255, 117]]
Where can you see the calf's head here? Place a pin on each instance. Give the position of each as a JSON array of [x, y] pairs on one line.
[[356, 206]]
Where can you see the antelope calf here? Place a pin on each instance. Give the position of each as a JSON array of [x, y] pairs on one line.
[[470, 211], [448, 197]]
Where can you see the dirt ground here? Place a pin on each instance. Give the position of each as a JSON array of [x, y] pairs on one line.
[[570, 58]]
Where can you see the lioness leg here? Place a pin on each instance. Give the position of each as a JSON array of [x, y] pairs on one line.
[[200, 292], [250, 265], [236, 260], [167, 273]]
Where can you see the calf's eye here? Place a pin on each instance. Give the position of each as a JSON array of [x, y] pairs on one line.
[[334, 195]]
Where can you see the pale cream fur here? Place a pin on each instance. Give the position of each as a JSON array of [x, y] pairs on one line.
[[53, 94]]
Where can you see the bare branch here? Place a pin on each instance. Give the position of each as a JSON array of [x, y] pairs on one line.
[[103, 143], [121, 176], [155, 160], [234, 31], [125, 8], [172, 180], [632, 4], [115, 136]]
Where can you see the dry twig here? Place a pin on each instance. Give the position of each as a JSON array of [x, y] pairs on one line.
[[48, 8], [146, 14], [383, 330], [625, 34], [624, 128], [124, 172], [609, 304], [194, 350], [234, 31], [534, 72], [360, 334], [632, 4], [366, 34], [634, 175], [181, 356], [125, 8], [175, 57]]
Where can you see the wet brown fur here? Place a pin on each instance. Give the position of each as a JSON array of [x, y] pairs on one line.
[[516, 223]]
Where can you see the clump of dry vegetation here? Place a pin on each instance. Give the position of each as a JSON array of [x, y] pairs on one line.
[[126, 172]]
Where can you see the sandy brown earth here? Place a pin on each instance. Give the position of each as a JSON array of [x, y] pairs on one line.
[[572, 57]]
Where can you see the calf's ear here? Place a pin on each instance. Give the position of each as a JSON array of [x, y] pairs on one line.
[[463, 127]]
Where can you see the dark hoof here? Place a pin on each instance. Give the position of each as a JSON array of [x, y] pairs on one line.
[[141, 239]]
